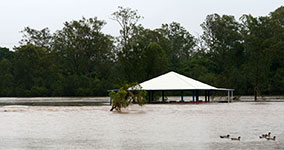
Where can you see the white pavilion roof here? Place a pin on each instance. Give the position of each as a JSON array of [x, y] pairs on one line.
[[174, 81]]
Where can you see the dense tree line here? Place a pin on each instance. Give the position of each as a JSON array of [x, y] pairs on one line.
[[80, 60]]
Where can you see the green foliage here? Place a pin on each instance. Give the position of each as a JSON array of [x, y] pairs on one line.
[[80, 60], [27, 65], [127, 19], [42, 38], [223, 39], [6, 76], [5, 53], [126, 95], [82, 48], [74, 61], [155, 60], [38, 91], [145, 49], [181, 44]]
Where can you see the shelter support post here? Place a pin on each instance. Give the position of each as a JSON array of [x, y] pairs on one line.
[[197, 96], [208, 96], [205, 94], [193, 96], [163, 96], [152, 96], [181, 97], [149, 96], [228, 96]]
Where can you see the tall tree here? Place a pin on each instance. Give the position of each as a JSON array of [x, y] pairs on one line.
[[40, 38], [127, 19], [257, 52], [84, 54], [132, 62], [276, 28], [7, 78], [224, 42], [5, 53], [181, 44], [29, 70], [128, 57], [83, 48], [155, 60]]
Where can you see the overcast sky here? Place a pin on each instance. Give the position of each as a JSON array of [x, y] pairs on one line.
[[38, 14]]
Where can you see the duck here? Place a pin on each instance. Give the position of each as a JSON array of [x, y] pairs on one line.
[[224, 136], [265, 135], [268, 135], [236, 139], [273, 139], [262, 136]]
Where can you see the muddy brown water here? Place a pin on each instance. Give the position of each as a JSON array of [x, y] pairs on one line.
[[154, 127]]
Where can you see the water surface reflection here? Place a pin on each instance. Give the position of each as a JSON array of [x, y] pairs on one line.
[[149, 127]]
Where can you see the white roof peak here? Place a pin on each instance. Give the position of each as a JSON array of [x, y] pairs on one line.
[[174, 81]]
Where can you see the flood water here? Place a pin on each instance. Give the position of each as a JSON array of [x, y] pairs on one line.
[[153, 126]]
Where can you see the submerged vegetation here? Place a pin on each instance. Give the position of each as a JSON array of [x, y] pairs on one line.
[[80, 60], [129, 93]]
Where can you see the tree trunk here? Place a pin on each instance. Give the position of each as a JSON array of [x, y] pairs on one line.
[[113, 107], [255, 94]]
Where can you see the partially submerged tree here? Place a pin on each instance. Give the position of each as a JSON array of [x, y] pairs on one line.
[[129, 93]]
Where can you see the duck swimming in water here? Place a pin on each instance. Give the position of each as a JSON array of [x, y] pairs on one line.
[[262, 136], [268, 135], [224, 136], [273, 139], [265, 135], [236, 139]]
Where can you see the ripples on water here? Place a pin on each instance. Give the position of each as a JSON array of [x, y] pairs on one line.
[[149, 127]]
